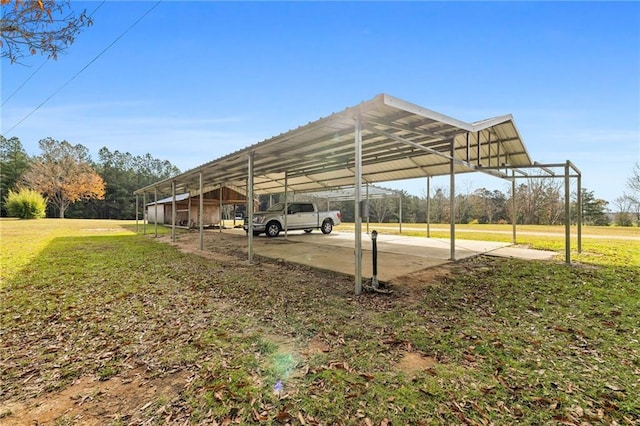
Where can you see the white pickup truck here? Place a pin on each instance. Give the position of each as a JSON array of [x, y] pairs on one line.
[[303, 216]]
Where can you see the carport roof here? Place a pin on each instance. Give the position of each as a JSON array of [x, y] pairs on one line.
[[349, 194], [400, 140]]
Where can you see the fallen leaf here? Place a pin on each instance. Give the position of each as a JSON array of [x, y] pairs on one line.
[[613, 387], [283, 416], [368, 377]]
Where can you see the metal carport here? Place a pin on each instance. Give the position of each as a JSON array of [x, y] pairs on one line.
[[383, 139]]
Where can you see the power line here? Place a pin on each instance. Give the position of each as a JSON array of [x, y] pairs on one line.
[[43, 63], [26, 81], [85, 67]]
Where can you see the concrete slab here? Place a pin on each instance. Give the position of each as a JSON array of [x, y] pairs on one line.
[[523, 253], [397, 255]]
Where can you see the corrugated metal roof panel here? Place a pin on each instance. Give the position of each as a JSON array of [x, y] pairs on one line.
[[400, 140]]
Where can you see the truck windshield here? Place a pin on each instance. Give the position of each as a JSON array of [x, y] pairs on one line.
[[276, 207]]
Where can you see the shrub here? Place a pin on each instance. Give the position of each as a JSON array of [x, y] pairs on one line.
[[26, 204], [623, 219]]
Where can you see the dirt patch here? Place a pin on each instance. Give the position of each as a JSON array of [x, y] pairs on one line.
[[411, 287], [89, 401], [426, 277], [229, 244], [283, 344], [317, 345], [413, 363]]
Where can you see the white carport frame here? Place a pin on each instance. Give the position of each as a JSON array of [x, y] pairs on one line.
[[383, 139]]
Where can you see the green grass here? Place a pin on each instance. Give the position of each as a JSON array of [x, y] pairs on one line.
[[514, 341]]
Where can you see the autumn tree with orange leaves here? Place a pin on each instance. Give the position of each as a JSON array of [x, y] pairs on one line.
[[63, 173], [38, 26]]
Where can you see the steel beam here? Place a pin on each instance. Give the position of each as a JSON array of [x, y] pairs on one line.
[[514, 213], [428, 206], [286, 203], [469, 149], [358, 199], [221, 205], [400, 214], [567, 215], [452, 203], [201, 212], [189, 209], [173, 210], [137, 212], [250, 207], [368, 209], [579, 214], [155, 202], [144, 219]]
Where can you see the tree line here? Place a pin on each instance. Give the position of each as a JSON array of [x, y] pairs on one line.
[[75, 185], [537, 202]]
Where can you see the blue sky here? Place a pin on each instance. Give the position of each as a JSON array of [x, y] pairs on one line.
[[194, 81]]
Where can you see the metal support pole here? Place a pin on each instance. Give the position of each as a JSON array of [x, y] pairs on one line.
[[452, 201], [221, 206], [498, 149], [358, 198], [514, 215], [155, 216], [489, 150], [250, 206], [286, 204], [469, 147], [479, 153], [567, 215], [137, 212], [201, 212], [580, 213], [367, 198], [189, 210], [400, 212], [173, 210], [428, 206], [144, 216]]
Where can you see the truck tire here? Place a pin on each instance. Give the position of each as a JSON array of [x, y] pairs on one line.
[[327, 226], [272, 229]]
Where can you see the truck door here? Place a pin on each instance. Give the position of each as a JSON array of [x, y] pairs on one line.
[[309, 216], [294, 216]]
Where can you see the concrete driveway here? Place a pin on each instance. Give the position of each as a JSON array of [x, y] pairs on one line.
[[397, 255]]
